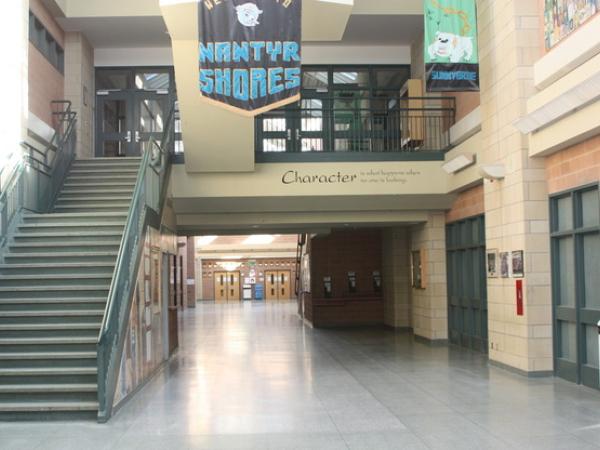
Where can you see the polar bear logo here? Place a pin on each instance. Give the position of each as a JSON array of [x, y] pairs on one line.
[[248, 14], [453, 46]]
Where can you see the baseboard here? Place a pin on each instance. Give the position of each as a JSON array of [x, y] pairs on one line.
[[523, 373], [431, 342]]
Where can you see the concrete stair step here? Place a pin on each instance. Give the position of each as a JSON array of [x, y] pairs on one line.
[[48, 340], [72, 246], [50, 326], [129, 185], [55, 313], [100, 179], [47, 407], [96, 202], [116, 227], [43, 371], [92, 207], [53, 292], [61, 257], [109, 159], [20, 282], [82, 268], [93, 195], [95, 217], [47, 388], [27, 356]]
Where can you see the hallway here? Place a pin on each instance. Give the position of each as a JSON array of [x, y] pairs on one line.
[[252, 376]]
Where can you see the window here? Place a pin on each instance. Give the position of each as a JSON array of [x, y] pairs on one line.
[[41, 39], [575, 223]]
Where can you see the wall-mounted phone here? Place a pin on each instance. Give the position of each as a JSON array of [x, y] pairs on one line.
[[352, 282], [327, 287], [377, 281]]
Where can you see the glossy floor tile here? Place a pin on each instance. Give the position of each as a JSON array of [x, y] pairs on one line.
[[253, 376]]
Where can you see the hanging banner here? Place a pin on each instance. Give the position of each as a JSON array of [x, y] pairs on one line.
[[250, 53], [451, 51]]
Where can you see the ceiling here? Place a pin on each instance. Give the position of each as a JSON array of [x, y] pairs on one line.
[[383, 29], [120, 32], [151, 31]]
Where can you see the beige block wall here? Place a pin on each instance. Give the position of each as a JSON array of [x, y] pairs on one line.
[[396, 278], [430, 305], [79, 89], [516, 207]]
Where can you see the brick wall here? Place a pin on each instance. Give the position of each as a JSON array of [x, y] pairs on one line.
[[469, 203], [46, 83], [344, 251], [574, 166]]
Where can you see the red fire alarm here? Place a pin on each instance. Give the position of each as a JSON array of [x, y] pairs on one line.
[[520, 298]]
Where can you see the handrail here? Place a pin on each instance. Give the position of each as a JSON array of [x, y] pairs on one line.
[[35, 190], [355, 122], [148, 199]]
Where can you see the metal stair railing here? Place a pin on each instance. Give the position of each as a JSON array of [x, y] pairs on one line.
[[36, 175], [148, 200]]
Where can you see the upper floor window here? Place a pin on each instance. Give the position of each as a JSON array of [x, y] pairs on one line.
[[41, 39]]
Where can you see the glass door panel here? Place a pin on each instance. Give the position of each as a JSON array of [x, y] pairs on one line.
[[150, 118], [114, 125]]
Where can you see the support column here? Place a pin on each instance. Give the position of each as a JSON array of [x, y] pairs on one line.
[[79, 89], [516, 207], [430, 304], [396, 278]]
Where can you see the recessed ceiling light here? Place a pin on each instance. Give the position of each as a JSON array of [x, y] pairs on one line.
[[205, 240], [259, 239]]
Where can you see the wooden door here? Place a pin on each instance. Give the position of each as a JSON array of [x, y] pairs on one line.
[[284, 279], [221, 287], [271, 285], [233, 286]]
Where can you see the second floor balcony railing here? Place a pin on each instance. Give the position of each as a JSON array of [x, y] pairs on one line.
[[389, 124]]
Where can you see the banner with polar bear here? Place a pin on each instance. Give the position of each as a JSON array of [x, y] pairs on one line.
[[451, 51], [250, 53]]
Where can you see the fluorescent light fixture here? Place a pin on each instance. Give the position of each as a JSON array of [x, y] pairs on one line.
[[259, 239], [229, 266], [459, 163], [205, 240]]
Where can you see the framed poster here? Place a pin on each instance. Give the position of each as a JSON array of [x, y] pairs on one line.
[[562, 17], [505, 265], [492, 258], [417, 269], [518, 269]]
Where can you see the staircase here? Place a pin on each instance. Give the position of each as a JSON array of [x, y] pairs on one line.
[[54, 283]]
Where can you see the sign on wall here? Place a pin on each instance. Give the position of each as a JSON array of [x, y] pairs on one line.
[[451, 50], [561, 17], [250, 52]]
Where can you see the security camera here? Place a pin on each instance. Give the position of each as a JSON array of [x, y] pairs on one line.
[[493, 172]]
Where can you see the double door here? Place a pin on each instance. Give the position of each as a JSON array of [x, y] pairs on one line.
[[126, 121], [227, 287], [299, 127], [467, 284], [278, 285]]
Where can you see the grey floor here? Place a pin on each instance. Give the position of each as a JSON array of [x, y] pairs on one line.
[[253, 376]]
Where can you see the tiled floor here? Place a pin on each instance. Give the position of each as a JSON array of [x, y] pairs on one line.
[[253, 376]]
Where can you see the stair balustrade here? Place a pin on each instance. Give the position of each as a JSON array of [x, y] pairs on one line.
[[35, 175], [146, 208]]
